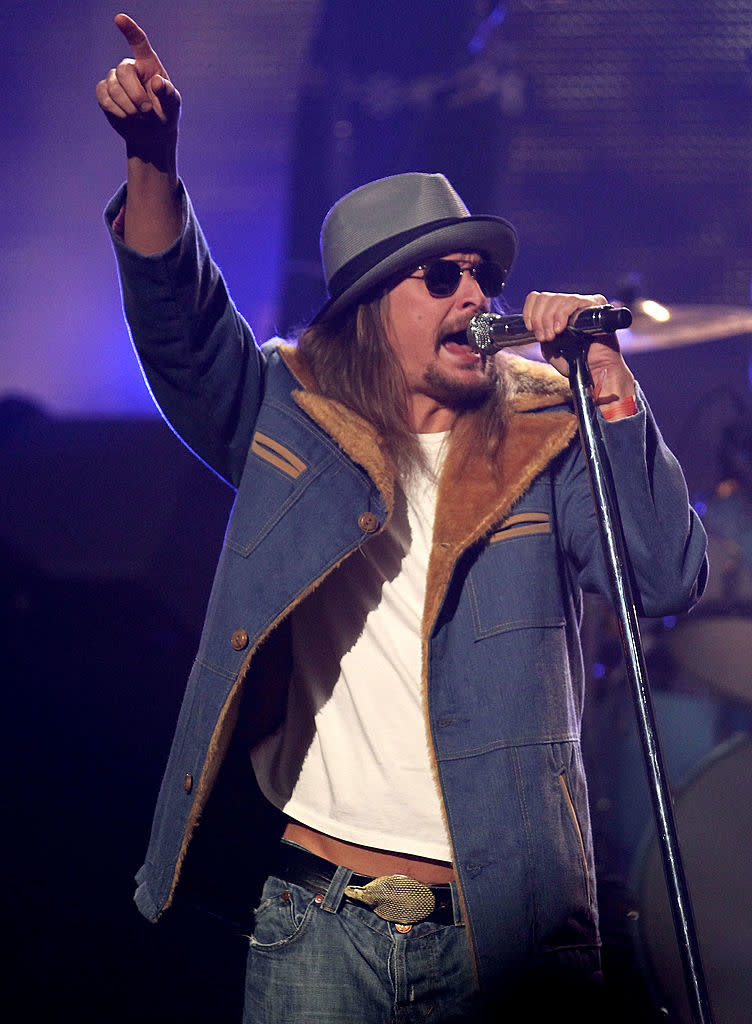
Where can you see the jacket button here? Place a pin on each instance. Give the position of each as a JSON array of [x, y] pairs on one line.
[[239, 639], [188, 782], [368, 522]]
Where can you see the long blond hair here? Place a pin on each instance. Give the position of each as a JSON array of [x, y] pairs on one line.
[[353, 362]]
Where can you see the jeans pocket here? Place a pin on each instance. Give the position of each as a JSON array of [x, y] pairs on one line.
[[282, 915]]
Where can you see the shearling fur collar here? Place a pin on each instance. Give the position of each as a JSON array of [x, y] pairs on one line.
[[473, 497], [530, 443]]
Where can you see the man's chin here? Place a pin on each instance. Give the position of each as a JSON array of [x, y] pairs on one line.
[[465, 390]]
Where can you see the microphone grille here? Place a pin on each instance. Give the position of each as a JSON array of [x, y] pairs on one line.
[[479, 332]]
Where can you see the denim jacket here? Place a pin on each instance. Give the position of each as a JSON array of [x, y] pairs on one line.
[[512, 552]]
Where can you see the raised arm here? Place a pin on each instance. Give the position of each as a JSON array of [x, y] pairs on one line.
[[143, 106]]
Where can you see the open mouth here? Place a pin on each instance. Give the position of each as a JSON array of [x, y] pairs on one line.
[[457, 344]]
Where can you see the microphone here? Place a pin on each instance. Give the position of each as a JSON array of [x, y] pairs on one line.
[[488, 333]]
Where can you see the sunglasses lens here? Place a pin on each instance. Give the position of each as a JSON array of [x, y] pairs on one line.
[[490, 278], [442, 278]]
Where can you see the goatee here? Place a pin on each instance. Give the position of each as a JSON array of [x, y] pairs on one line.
[[462, 396]]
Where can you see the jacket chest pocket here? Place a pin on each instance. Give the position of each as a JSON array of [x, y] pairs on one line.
[[515, 583], [277, 478]]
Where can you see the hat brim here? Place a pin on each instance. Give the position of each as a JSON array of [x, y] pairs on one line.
[[492, 237]]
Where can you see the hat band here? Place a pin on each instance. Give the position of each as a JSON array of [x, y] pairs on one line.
[[351, 272]]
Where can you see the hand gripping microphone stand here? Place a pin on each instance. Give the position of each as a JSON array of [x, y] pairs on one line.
[[573, 345]]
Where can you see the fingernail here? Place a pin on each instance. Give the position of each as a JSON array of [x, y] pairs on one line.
[[146, 107]]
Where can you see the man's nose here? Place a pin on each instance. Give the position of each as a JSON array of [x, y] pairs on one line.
[[469, 291]]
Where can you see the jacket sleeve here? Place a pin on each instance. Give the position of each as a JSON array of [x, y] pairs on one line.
[[666, 543], [197, 353]]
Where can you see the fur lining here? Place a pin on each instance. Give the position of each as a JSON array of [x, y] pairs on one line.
[[540, 425], [532, 440], [532, 384], [356, 437], [353, 434], [473, 496]]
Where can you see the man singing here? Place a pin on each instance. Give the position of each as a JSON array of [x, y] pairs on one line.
[[383, 715]]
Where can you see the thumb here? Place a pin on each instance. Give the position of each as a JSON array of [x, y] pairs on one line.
[[165, 99]]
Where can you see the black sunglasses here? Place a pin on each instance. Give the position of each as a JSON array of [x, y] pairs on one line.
[[442, 277]]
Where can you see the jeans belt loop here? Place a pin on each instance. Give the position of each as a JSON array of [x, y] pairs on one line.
[[335, 892]]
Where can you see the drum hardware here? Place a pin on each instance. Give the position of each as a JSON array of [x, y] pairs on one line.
[[716, 650], [714, 816]]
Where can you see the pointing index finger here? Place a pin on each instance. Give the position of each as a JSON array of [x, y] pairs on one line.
[[135, 36]]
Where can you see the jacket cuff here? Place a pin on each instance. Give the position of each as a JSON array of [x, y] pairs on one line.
[[114, 216]]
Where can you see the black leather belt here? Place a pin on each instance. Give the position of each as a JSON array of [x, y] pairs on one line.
[[396, 898]]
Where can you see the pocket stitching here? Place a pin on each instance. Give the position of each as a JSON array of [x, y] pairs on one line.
[[297, 930], [569, 802]]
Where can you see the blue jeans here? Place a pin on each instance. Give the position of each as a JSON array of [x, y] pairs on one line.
[[319, 959]]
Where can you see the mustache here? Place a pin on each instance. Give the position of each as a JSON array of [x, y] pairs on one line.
[[457, 333]]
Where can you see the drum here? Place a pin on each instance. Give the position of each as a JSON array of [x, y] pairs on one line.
[[716, 650], [714, 822]]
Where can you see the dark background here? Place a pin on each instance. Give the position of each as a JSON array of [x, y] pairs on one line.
[[616, 137]]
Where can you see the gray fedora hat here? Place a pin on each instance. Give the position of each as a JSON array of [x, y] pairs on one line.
[[391, 225]]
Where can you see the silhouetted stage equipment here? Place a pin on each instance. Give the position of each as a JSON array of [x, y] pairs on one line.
[[714, 815], [716, 650], [108, 499]]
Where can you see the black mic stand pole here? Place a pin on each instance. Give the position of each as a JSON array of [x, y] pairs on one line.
[[574, 345]]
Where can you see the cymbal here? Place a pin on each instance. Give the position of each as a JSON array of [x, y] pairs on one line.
[[657, 327]]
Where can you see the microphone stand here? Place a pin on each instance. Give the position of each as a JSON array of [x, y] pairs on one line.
[[574, 345]]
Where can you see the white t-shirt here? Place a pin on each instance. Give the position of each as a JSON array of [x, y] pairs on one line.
[[351, 758]]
